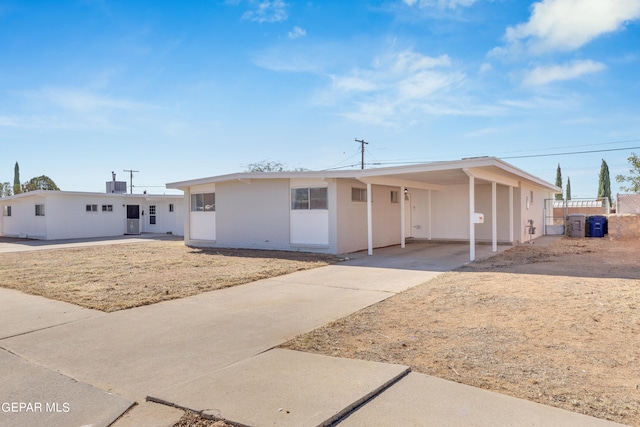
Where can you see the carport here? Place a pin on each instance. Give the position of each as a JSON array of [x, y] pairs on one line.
[[440, 177]]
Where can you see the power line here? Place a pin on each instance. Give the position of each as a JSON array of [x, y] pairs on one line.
[[569, 153]]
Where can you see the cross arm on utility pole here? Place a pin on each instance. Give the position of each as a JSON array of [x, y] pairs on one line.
[[130, 179]]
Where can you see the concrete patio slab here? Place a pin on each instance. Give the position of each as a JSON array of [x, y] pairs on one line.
[[283, 388], [35, 396], [135, 351], [21, 313], [422, 400]]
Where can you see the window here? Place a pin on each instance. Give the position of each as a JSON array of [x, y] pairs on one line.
[[107, 208], [170, 207], [39, 210], [92, 208], [205, 202], [358, 194], [6, 211], [395, 197], [152, 214], [309, 198]]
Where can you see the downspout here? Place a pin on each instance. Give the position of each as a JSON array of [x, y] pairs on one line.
[[511, 214], [494, 217], [402, 217], [369, 220]]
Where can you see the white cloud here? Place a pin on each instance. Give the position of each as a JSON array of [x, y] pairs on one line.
[[566, 25], [268, 11], [547, 74], [396, 87], [443, 4], [485, 68], [79, 100], [296, 33]]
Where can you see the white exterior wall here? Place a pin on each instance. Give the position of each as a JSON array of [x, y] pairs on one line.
[[309, 228], [22, 222], [450, 210], [66, 216], [417, 214], [253, 214], [201, 226], [166, 221]]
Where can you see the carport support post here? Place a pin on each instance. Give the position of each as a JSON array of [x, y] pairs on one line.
[[369, 221], [472, 225], [494, 219], [510, 214], [402, 213]]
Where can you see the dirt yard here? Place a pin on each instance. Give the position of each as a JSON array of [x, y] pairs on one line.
[[557, 325], [115, 277]]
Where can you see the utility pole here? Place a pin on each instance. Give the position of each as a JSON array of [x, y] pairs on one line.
[[362, 143], [130, 179]]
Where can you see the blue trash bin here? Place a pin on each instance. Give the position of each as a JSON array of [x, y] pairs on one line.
[[597, 226]]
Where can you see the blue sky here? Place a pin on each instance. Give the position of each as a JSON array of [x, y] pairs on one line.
[[182, 90]]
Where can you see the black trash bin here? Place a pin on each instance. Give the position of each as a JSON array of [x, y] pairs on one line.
[[597, 226]]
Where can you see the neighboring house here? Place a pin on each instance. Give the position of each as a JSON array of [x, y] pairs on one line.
[[479, 199], [50, 215]]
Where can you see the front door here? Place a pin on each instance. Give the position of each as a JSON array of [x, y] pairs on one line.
[[133, 219]]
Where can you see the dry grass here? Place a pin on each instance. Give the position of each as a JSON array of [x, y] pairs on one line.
[[558, 326], [117, 277]]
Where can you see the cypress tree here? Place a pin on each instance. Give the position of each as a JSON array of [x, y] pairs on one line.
[[17, 188], [568, 188], [559, 182], [604, 182]]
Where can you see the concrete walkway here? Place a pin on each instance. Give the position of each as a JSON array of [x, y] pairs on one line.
[[214, 353]]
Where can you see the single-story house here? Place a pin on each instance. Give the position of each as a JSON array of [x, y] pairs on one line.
[[341, 211], [51, 215]]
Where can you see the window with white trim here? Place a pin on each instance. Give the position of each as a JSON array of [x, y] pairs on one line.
[[152, 214], [171, 207], [91, 208], [358, 194], [39, 210], [203, 202], [309, 198], [6, 211], [107, 208]]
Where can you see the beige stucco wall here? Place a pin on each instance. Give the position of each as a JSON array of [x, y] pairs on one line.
[[624, 226], [351, 217], [253, 214]]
